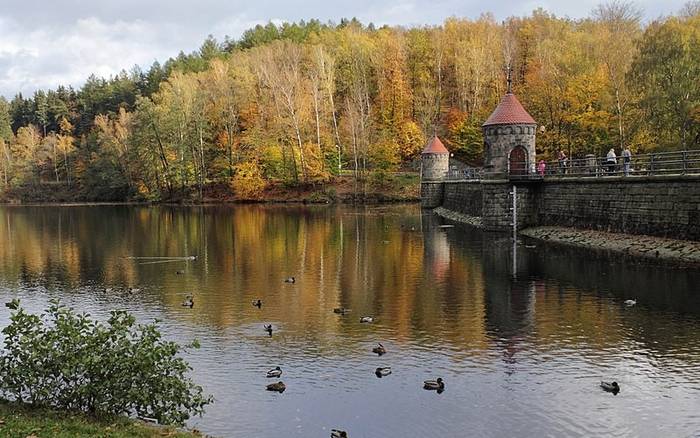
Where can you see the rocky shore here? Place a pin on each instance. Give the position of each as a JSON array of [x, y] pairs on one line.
[[648, 247], [458, 217], [683, 252]]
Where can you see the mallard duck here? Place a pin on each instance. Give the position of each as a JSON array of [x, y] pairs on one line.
[[379, 349], [434, 384], [336, 433], [191, 258], [134, 290], [189, 302], [179, 272], [257, 303], [610, 387], [290, 280], [268, 329], [630, 302], [276, 372], [341, 310], [366, 319], [382, 371], [279, 387]]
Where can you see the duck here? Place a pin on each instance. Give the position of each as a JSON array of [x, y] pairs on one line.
[[290, 280], [179, 272], [434, 384], [341, 310], [275, 372], [134, 290], [257, 303], [379, 349], [268, 329], [337, 433], [610, 387], [382, 371], [279, 387], [191, 258], [366, 319], [630, 302], [189, 302]]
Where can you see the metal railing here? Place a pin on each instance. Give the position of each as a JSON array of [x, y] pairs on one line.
[[659, 163], [468, 173]]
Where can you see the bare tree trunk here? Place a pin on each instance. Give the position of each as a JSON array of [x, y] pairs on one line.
[[163, 161]]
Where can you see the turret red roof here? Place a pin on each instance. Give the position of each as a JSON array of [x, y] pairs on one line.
[[509, 112], [435, 146]]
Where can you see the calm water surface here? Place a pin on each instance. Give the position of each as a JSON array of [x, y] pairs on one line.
[[521, 354]]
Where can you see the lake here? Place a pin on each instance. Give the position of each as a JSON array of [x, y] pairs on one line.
[[522, 340]]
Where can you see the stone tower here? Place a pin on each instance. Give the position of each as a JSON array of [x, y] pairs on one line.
[[435, 162], [509, 138]]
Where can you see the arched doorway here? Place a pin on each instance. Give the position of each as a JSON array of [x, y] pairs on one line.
[[517, 161]]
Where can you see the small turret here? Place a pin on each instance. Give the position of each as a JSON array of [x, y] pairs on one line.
[[509, 138], [435, 163]]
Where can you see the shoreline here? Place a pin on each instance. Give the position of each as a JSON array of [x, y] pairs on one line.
[[651, 248], [645, 247], [399, 187], [212, 203]]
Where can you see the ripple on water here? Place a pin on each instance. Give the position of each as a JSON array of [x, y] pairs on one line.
[[520, 356]]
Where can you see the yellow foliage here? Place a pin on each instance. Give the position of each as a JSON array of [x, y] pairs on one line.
[[248, 181]]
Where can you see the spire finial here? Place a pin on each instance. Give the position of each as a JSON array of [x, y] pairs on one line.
[[509, 70]]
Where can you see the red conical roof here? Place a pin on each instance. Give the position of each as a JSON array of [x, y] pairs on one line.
[[509, 112], [435, 146]]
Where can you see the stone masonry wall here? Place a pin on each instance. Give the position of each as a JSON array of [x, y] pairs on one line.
[[497, 202], [431, 194], [463, 197], [665, 206], [500, 140]]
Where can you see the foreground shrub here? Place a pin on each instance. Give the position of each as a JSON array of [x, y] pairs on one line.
[[68, 361]]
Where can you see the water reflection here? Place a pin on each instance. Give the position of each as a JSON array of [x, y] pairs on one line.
[[521, 335]]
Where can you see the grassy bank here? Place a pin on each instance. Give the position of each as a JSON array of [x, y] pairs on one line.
[[22, 421], [390, 187]]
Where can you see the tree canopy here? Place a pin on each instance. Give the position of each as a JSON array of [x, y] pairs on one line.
[[299, 102]]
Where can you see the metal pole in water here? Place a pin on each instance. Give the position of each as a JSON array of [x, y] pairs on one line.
[[514, 209], [514, 195]]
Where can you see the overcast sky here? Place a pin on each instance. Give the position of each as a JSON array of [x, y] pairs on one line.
[[44, 43]]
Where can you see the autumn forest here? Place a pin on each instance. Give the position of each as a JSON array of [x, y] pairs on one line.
[[299, 104]]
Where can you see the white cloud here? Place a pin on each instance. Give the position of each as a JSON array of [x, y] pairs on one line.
[[44, 44]]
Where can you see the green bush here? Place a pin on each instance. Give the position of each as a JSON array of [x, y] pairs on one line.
[[66, 360]]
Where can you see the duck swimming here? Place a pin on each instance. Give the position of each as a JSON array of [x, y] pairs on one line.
[[268, 329], [189, 302], [179, 272], [434, 384], [379, 349], [275, 372], [610, 387], [335, 433], [341, 310], [257, 303], [290, 280], [279, 387], [630, 302], [366, 319], [382, 371]]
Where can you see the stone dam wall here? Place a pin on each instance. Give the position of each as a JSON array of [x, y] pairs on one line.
[[664, 206]]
